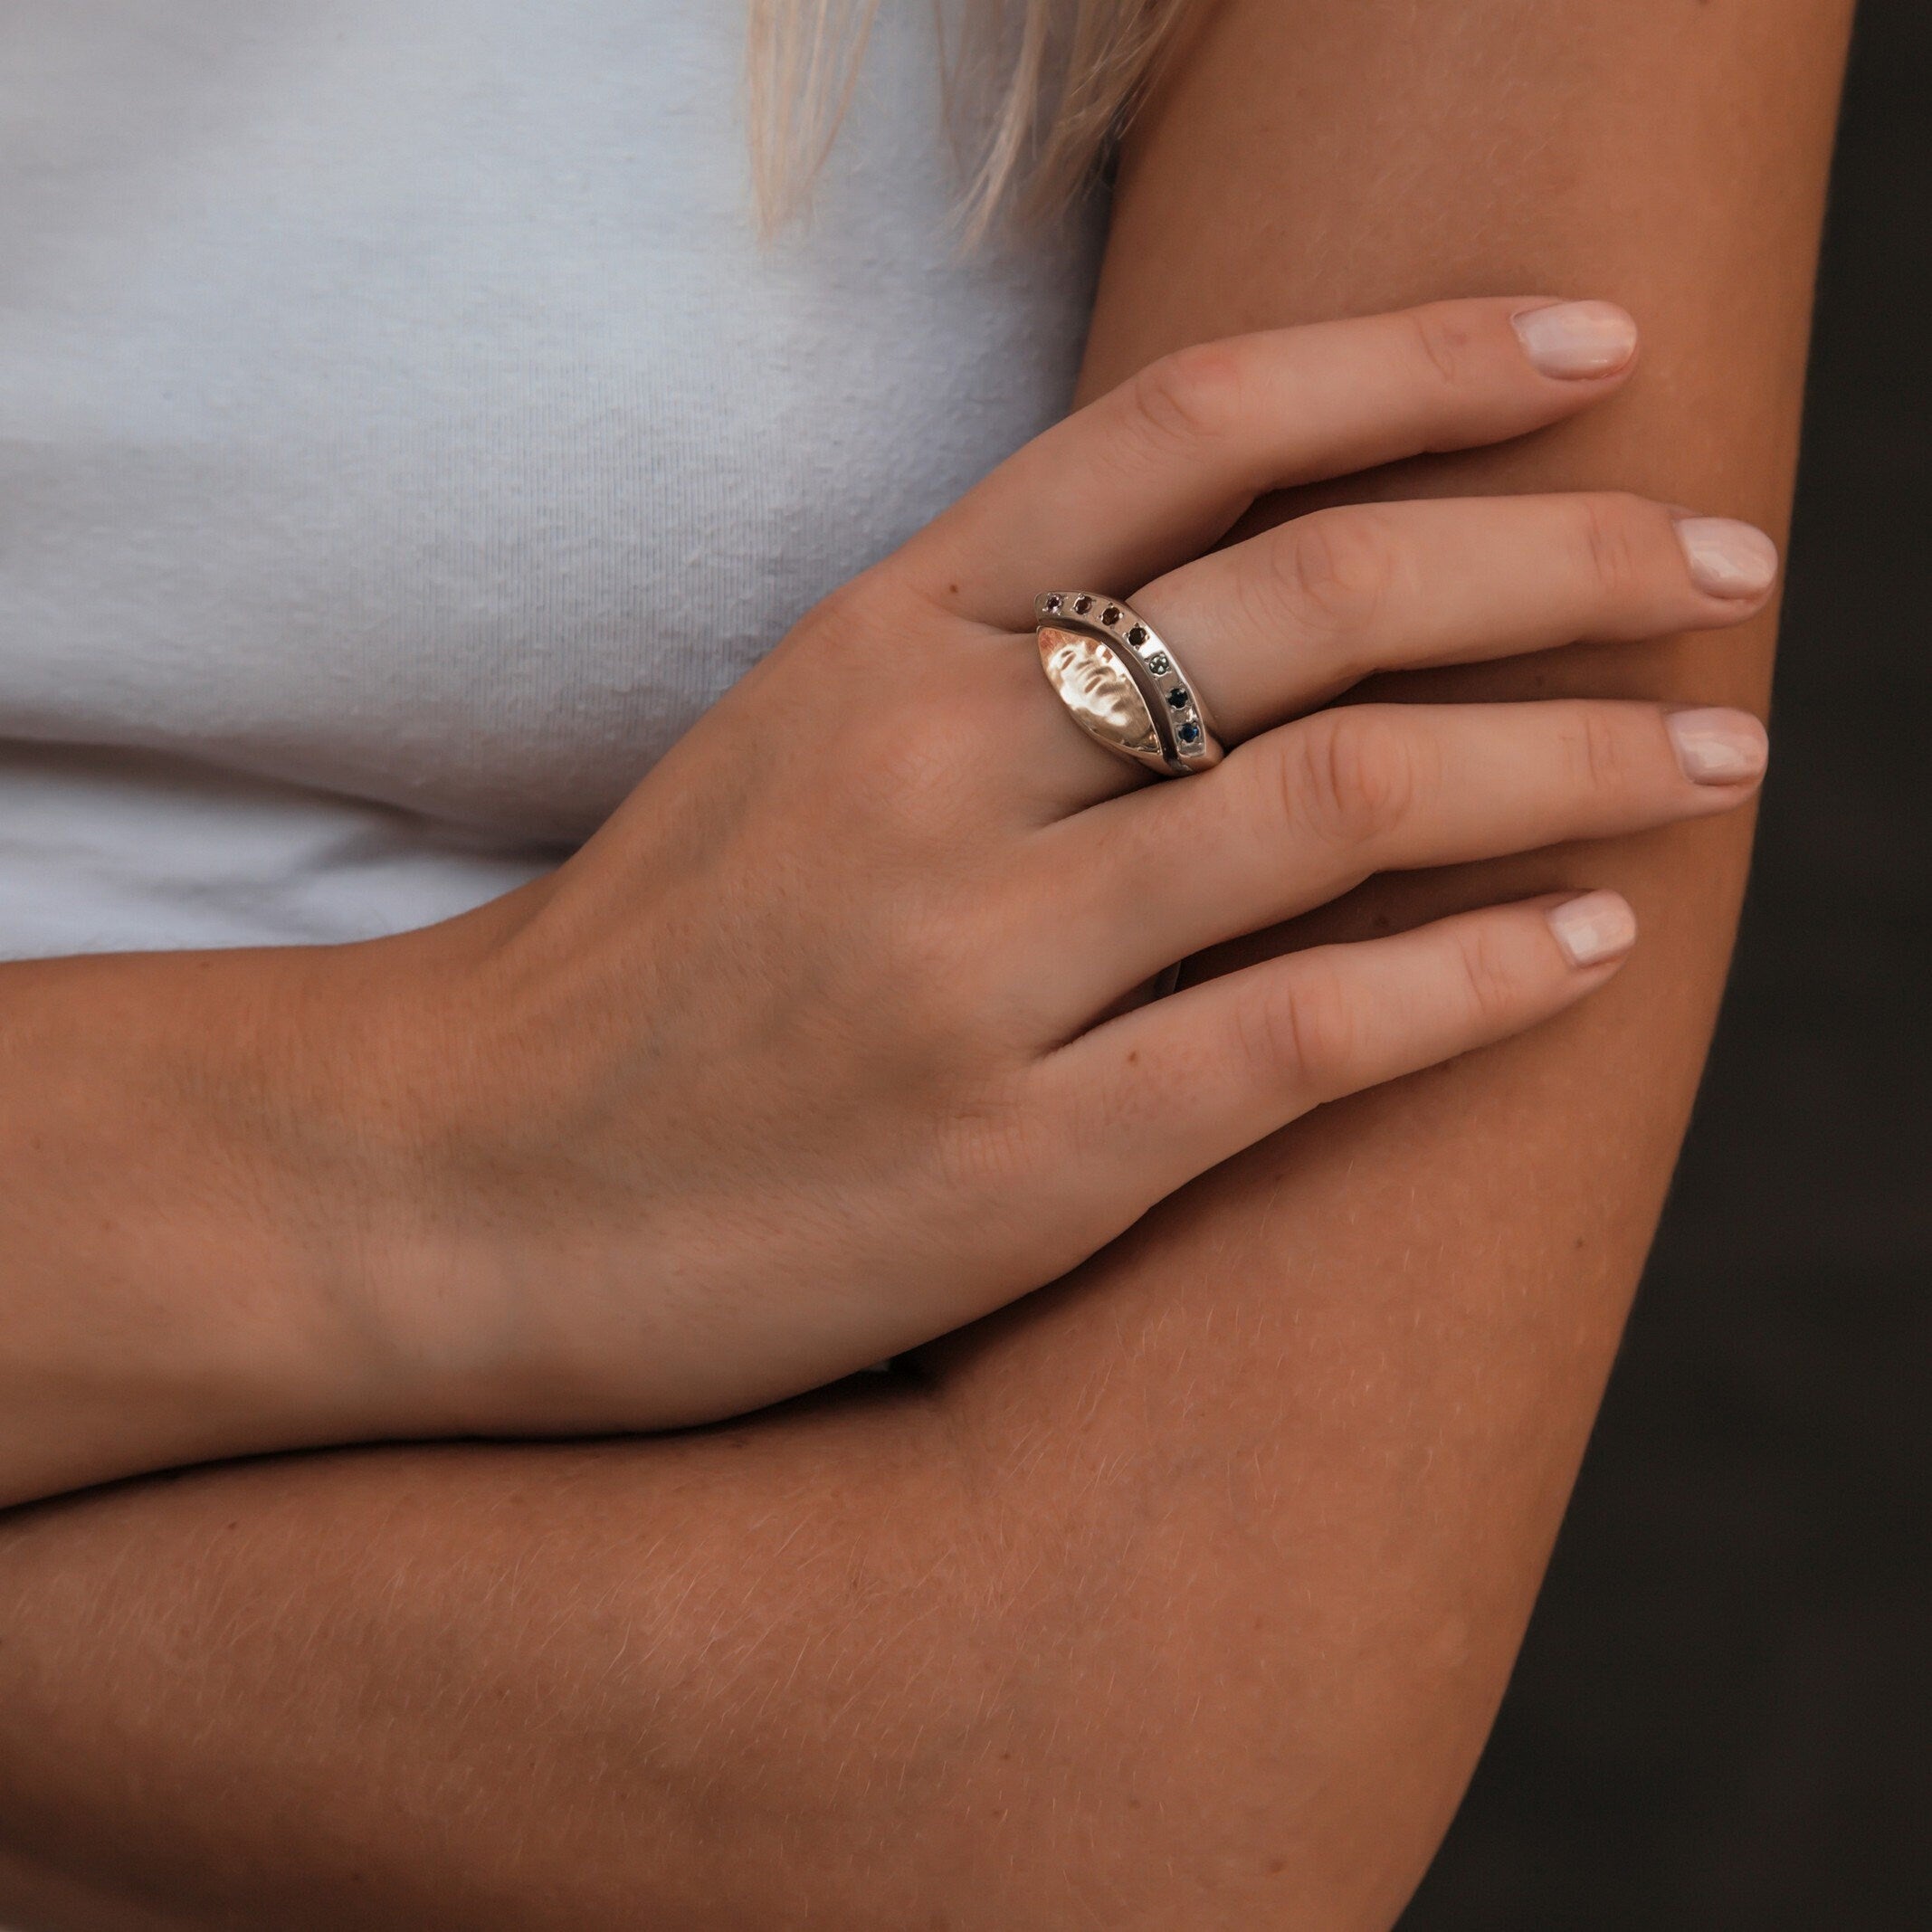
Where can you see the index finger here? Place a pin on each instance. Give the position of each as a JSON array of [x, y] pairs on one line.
[[1155, 471]]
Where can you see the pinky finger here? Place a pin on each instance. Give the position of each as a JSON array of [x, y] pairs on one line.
[[1190, 1080]]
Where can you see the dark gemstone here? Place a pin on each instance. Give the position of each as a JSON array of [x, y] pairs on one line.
[[1052, 603], [1081, 605], [1111, 615], [1160, 664], [1189, 734], [1137, 636], [1178, 698]]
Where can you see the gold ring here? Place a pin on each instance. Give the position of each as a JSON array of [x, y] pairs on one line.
[[1123, 684]]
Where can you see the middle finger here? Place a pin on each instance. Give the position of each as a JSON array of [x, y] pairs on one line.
[[1279, 624]]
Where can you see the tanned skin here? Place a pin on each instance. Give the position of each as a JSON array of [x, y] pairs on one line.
[[1180, 1596]]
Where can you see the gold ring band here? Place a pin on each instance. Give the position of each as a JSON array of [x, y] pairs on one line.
[[1123, 685]]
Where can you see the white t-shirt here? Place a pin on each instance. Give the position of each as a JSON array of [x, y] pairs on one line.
[[405, 438]]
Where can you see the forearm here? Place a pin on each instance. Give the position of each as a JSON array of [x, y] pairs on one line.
[[194, 1189], [721, 1680]]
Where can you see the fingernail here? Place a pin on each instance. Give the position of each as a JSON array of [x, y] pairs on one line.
[[1727, 558], [1597, 927], [1572, 339], [1718, 746]]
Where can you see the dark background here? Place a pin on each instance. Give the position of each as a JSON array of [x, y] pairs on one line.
[[1721, 1719]]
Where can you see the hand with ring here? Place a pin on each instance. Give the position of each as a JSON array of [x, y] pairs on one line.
[[836, 1036]]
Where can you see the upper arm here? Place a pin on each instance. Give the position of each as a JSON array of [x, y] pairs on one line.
[[1325, 158], [1324, 1408]]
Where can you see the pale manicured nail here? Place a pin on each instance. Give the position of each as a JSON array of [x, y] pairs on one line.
[[1718, 746], [1727, 558], [1574, 339], [1597, 927]]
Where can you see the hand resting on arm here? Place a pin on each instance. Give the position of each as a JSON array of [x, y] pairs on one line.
[[796, 1065]]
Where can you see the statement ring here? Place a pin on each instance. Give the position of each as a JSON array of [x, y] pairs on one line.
[[1124, 686]]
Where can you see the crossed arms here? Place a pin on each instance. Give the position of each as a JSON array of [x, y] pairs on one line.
[[1182, 1594]]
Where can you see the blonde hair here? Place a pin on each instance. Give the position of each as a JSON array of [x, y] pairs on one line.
[[1032, 91]]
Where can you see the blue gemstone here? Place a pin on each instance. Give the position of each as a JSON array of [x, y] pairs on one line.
[[1177, 698], [1189, 734]]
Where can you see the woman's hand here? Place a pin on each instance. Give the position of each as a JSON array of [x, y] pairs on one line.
[[835, 1038]]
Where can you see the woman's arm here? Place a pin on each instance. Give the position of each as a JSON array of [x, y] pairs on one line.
[[191, 1186], [1185, 1596], [753, 1090]]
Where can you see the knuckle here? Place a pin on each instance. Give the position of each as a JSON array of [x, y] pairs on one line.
[[1446, 343], [1492, 975], [1189, 397], [1612, 536], [910, 759], [1352, 775], [991, 1147], [1308, 1026], [1600, 750], [1335, 570], [864, 626], [851, 614], [927, 977]]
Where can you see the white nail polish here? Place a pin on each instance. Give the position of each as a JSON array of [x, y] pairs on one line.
[[1597, 927], [1727, 558], [1718, 746], [1574, 340]]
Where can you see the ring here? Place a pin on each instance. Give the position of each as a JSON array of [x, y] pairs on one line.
[[1124, 686]]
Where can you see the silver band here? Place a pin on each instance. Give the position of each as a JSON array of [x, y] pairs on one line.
[[1123, 684]]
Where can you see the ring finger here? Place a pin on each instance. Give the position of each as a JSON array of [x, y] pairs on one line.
[[1303, 814]]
